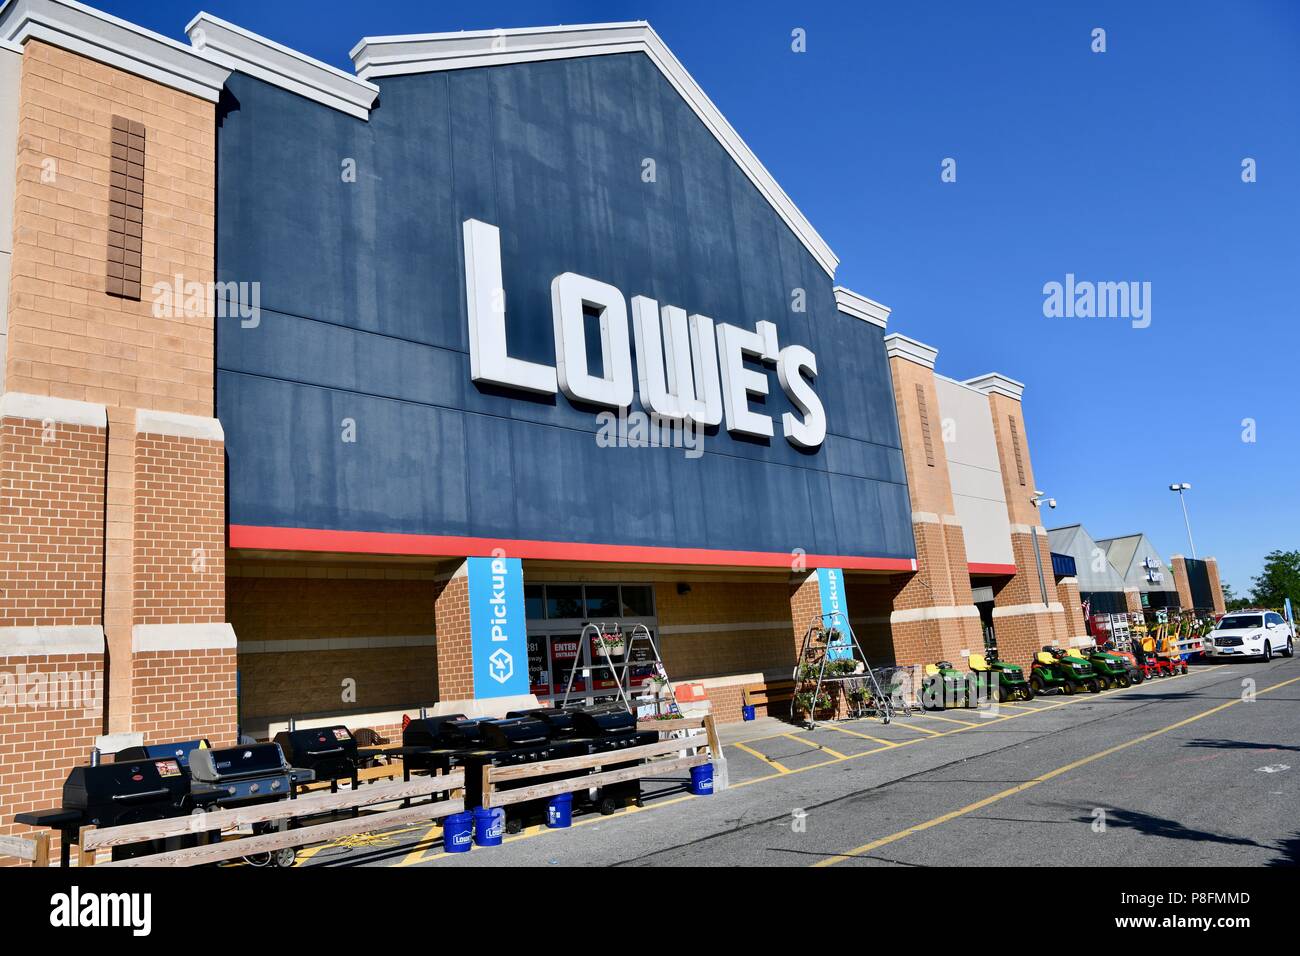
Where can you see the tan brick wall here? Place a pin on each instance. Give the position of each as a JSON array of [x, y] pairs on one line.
[[1133, 600], [280, 602], [455, 650], [1067, 592], [1216, 587], [67, 337], [180, 695], [1181, 582], [40, 744], [51, 523], [744, 650]]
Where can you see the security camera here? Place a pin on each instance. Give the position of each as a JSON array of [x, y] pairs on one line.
[[1051, 503]]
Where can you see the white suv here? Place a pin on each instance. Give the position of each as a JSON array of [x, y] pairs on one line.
[[1251, 634]]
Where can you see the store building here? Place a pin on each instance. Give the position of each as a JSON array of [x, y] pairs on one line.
[[328, 395]]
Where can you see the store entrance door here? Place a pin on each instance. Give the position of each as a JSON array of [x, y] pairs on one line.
[[557, 614]]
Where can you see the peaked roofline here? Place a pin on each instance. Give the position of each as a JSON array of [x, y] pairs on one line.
[[437, 52]]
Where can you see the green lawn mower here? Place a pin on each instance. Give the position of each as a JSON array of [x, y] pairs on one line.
[[1007, 677], [1054, 671], [943, 686], [1111, 669]]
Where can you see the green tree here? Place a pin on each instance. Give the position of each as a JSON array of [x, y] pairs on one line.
[[1280, 579], [1231, 601]]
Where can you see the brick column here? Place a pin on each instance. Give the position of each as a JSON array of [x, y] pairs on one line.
[[183, 661], [1184, 586], [452, 628], [51, 636], [805, 604], [1133, 600], [1216, 587], [934, 617], [1027, 613], [1067, 592]]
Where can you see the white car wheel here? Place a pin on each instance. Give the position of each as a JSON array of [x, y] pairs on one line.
[[1290, 648], [1268, 653]]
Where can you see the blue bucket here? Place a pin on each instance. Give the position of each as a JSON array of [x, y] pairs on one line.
[[702, 780], [747, 711], [458, 833], [559, 811], [489, 826]]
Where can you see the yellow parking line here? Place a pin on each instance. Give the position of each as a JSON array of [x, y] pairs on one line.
[[854, 733], [1022, 787], [951, 720], [767, 760], [927, 730], [813, 743]]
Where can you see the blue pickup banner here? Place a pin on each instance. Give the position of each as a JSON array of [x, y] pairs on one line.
[[498, 635], [830, 582]]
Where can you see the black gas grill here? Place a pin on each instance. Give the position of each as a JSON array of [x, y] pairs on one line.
[[611, 728], [251, 773], [329, 752], [509, 742], [115, 794]]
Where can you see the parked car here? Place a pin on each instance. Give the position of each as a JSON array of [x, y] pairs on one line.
[[1258, 634]]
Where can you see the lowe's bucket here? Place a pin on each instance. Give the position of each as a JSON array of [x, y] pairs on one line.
[[458, 833], [702, 780], [489, 826], [747, 711], [559, 811]]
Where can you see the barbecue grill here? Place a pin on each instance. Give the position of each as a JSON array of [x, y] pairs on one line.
[[329, 752], [509, 742], [610, 729], [115, 794], [246, 775]]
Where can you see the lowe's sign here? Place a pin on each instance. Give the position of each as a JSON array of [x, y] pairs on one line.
[[688, 369], [497, 628]]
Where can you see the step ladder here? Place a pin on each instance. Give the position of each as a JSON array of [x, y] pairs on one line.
[[607, 638], [830, 638]]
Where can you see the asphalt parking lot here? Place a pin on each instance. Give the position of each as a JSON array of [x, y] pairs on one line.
[[1192, 770]]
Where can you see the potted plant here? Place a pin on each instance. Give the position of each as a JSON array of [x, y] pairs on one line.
[[611, 644]]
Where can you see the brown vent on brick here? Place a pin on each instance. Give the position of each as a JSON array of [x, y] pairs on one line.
[[1015, 447], [125, 208], [924, 409]]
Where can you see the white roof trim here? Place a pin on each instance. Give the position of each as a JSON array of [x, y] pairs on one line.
[[147, 638], [435, 52], [900, 346], [41, 408], [860, 307], [91, 33], [176, 425], [238, 49], [10, 46], [995, 383]]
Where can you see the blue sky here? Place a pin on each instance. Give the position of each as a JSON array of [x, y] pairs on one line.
[[1115, 166]]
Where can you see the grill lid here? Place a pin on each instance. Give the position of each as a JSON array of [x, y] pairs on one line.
[[560, 722], [427, 731], [306, 748], [603, 720], [235, 763], [514, 732], [128, 783]]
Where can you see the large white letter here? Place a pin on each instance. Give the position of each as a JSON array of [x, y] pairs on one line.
[[738, 382], [570, 295], [790, 367], [678, 375], [485, 301]]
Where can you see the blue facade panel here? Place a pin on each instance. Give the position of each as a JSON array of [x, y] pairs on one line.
[[363, 319]]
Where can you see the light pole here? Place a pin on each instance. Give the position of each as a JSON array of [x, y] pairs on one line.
[[1036, 501], [1180, 487]]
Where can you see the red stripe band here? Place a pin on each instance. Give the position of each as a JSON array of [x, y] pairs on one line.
[[432, 545]]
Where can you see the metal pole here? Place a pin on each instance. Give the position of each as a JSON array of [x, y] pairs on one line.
[[1038, 558], [1187, 521]]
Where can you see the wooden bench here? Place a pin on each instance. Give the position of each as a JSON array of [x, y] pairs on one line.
[[769, 693], [494, 796], [34, 849], [93, 839]]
